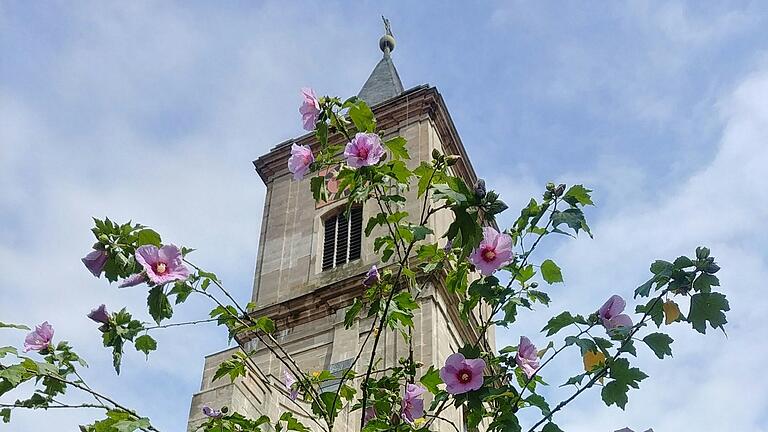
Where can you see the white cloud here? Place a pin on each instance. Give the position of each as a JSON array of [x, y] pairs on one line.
[[723, 205]]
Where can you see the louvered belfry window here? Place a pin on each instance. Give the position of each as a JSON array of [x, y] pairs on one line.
[[342, 238]]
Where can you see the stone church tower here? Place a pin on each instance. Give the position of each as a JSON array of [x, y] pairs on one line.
[[311, 262]]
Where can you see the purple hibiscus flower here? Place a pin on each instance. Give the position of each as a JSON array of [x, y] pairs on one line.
[[40, 338], [462, 375], [161, 265], [289, 380], [100, 314], [310, 109], [611, 313], [527, 357], [413, 405], [370, 414], [95, 261], [212, 413], [364, 150], [494, 251], [300, 161], [372, 277]]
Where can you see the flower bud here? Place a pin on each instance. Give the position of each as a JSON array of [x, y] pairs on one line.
[[534, 285], [436, 154], [452, 159], [712, 268], [480, 188], [550, 186], [559, 190], [702, 252]]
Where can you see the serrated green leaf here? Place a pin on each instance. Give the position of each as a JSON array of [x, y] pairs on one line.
[[14, 326], [551, 272], [659, 343], [578, 194], [559, 322], [551, 427], [159, 306], [708, 307], [148, 237], [431, 380], [397, 147], [145, 343]]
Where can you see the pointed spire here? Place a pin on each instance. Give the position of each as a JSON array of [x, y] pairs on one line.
[[384, 82]]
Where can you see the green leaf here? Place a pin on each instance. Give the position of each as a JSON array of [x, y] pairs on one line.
[[662, 268], [585, 345], [264, 324], [704, 282], [525, 273], [551, 272], [572, 217], [578, 194], [708, 307], [317, 186], [14, 326], [654, 308], [575, 379], [397, 147], [159, 306], [5, 414], [615, 393], [624, 377], [182, 290], [404, 301], [644, 290], [351, 315], [234, 367], [420, 232], [559, 322], [539, 402], [294, 424], [145, 343], [148, 237], [431, 380], [551, 427], [362, 116], [659, 343], [538, 296], [8, 350]]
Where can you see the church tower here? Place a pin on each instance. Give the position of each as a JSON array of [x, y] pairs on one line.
[[312, 259]]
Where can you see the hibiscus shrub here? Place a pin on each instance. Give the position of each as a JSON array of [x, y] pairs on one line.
[[352, 162]]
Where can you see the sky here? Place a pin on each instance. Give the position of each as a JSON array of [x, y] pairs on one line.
[[153, 112]]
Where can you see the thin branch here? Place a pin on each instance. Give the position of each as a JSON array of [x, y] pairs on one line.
[[179, 324]]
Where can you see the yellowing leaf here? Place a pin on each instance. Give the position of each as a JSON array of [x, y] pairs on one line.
[[593, 359], [671, 312]]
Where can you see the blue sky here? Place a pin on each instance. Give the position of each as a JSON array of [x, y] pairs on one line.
[[152, 111]]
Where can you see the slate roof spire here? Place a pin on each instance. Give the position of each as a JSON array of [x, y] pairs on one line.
[[384, 82]]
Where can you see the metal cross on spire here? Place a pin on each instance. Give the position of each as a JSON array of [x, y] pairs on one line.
[[387, 42], [387, 28]]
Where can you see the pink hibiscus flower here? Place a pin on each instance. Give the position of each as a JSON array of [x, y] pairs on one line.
[[161, 266], [413, 405], [364, 150], [462, 375], [40, 338], [611, 313], [494, 251], [310, 109], [95, 261], [300, 161], [527, 357]]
